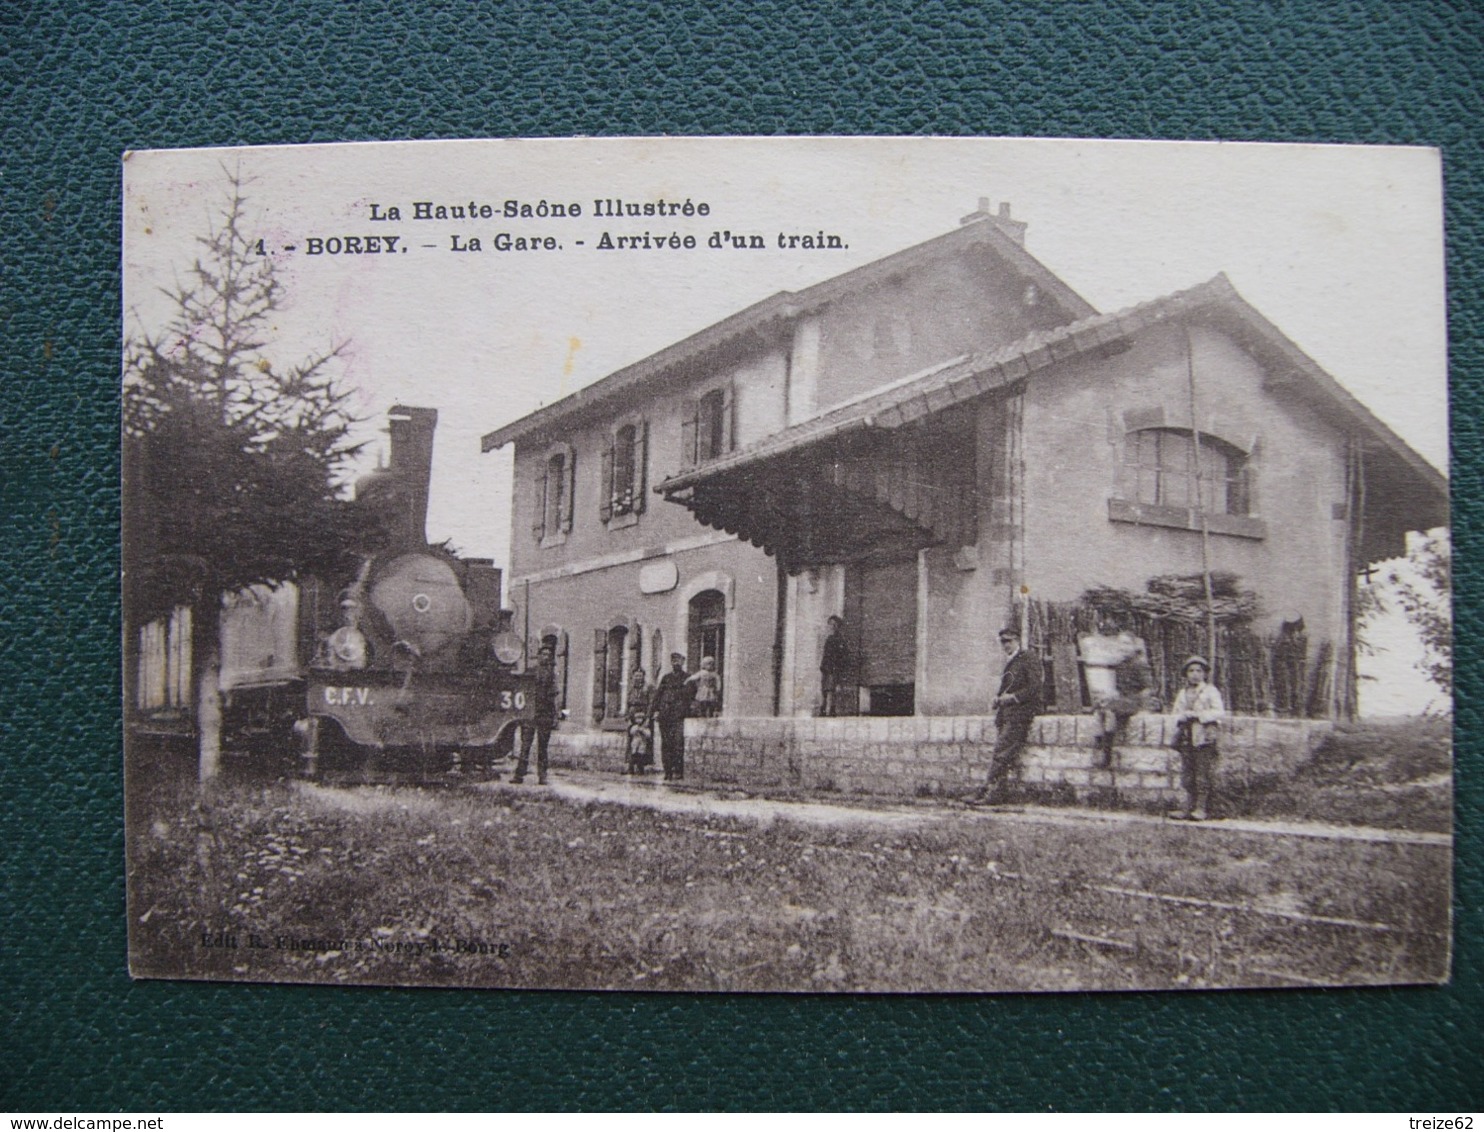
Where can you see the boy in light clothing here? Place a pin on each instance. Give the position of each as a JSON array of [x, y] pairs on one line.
[[1198, 711]]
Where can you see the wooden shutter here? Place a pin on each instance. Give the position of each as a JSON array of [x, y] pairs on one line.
[[690, 412], [636, 649], [605, 487], [636, 663], [641, 464], [538, 501], [600, 672], [728, 421], [565, 519]]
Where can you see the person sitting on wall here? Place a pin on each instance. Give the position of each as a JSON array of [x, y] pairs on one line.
[[1119, 678], [1198, 712], [834, 667], [670, 705], [1015, 705], [708, 688]]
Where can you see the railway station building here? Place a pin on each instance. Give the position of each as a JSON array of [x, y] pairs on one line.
[[931, 446]]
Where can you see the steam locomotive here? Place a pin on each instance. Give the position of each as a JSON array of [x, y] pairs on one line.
[[409, 667]]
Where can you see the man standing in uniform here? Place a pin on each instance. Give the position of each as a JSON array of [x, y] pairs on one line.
[[543, 721], [670, 706], [1016, 704]]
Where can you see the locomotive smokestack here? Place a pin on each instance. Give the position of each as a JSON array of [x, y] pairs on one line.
[[411, 464], [399, 492]]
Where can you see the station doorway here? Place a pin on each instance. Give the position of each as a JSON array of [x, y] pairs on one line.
[[881, 618], [707, 634]]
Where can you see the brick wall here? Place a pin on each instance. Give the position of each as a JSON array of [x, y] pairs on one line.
[[947, 756]]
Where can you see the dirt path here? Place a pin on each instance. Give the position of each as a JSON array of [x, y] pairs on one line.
[[651, 794]]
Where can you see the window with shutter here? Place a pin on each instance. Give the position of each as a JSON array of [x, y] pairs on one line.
[[564, 658], [690, 410], [709, 427], [600, 672], [552, 498], [538, 505], [569, 494], [636, 665], [556, 490], [714, 424], [641, 465], [617, 655], [728, 420], [625, 445], [625, 473], [605, 488]]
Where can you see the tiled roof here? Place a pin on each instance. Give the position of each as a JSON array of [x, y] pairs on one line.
[[974, 375], [784, 307], [953, 382]]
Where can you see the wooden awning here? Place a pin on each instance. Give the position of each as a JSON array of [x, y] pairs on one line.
[[840, 497]]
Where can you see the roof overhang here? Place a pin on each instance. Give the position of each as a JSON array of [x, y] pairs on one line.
[[765, 321], [1406, 492], [846, 494]]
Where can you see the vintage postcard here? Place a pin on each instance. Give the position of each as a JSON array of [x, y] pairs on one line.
[[787, 564]]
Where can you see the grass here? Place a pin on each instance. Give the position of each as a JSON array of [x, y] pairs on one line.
[[1393, 774], [380, 885]]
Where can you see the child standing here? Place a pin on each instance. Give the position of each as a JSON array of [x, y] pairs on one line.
[[640, 751], [708, 688], [1198, 710]]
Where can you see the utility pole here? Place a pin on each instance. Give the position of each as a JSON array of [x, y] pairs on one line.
[[1200, 505]]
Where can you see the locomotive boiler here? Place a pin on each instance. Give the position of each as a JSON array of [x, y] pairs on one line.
[[410, 666]]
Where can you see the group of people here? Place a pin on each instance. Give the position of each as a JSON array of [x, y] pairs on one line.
[[1119, 679], [666, 704], [1115, 662], [676, 696]]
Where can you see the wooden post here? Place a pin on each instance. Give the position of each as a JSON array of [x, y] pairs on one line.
[[1200, 507]]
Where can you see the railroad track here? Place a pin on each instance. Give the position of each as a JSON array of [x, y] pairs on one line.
[[1196, 940]]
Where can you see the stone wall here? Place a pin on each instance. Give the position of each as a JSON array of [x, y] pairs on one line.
[[947, 756]]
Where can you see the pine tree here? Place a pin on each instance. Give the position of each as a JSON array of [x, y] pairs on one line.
[[232, 462]]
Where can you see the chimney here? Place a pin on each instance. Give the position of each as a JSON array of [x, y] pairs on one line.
[[411, 463], [1015, 229], [398, 492]]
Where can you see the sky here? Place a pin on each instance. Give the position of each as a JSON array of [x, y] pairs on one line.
[[1340, 246]]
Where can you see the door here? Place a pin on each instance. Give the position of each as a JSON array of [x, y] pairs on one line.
[[881, 615], [707, 637]]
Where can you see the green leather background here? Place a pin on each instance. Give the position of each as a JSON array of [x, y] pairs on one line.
[[83, 82]]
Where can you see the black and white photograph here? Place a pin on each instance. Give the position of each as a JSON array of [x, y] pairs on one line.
[[787, 565]]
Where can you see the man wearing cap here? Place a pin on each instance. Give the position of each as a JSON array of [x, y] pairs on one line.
[[542, 721], [1015, 706], [1198, 710], [669, 706]]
